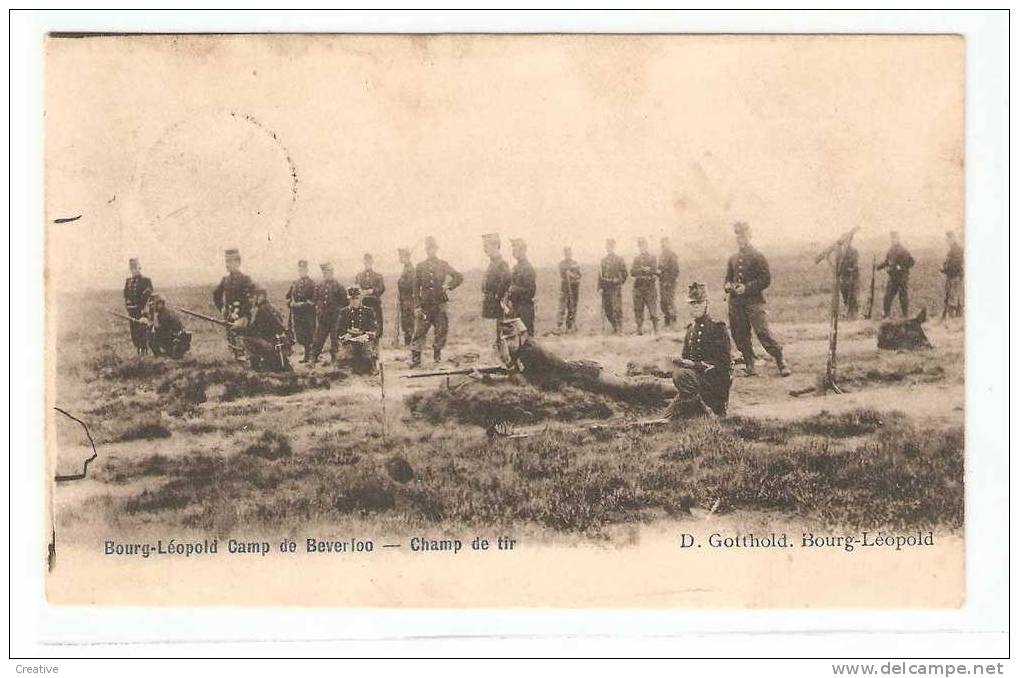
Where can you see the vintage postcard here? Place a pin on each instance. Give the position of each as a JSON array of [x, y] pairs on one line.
[[584, 321]]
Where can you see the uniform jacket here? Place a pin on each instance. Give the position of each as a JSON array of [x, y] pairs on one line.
[[644, 270], [749, 267], [371, 280], [266, 323], [330, 297], [569, 273], [405, 284], [234, 289], [898, 261], [849, 265], [356, 320], [668, 267], [301, 294], [612, 272], [523, 283], [430, 282], [708, 340], [494, 287], [137, 290], [954, 262]]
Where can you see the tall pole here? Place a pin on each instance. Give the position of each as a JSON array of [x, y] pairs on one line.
[[833, 332]]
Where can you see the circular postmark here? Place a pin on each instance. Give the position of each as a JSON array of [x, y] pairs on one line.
[[217, 180]]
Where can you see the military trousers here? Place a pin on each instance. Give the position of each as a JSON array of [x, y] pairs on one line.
[[645, 297], [524, 309], [325, 322], [668, 294], [953, 297], [746, 318], [569, 295], [407, 320], [139, 332], [304, 326], [359, 356], [434, 316], [264, 355], [612, 306], [897, 287], [697, 389], [375, 304], [850, 289]]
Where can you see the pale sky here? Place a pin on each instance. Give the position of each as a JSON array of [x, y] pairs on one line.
[[324, 147]]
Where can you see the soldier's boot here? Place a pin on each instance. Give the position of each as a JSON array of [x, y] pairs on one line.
[[437, 354], [748, 368], [415, 358], [640, 329], [783, 368], [654, 325], [307, 354]]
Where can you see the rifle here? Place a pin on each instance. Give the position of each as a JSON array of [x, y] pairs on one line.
[[495, 369], [217, 321], [140, 321], [693, 364], [506, 430], [870, 301]]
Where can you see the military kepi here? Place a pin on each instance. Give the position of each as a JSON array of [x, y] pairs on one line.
[[232, 253], [490, 238], [326, 267], [741, 228], [698, 293], [133, 261]]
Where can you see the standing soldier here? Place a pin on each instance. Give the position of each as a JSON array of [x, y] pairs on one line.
[[137, 291], [264, 335], [432, 280], [330, 297], [746, 278], [374, 286], [645, 294], [611, 277], [849, 279], [358, 332], [301, 299], [953, 270], [668, 274], [522, 285], [233, 298], [405, 296], [898, 261], [703, 374], [167, 335], [569, 291], [496, 282]]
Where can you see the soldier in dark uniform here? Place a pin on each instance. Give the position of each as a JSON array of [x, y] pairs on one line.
[[405, 296], [233, 298], [645, 292], [898, 261], [746, 277], [330, 297], [358, 333], [496, 282], [953, 269], [523, 285], [374, 286], [849, 279], [264, 335], [432, 280], [167, 336], [612, 275], [569, 291], [137, 291], [703, 374], [668, 274], [301, 299]]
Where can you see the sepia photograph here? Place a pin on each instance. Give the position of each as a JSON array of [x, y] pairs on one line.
[[468, 320]]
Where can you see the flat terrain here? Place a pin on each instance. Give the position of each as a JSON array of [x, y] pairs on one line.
[[204, 445]]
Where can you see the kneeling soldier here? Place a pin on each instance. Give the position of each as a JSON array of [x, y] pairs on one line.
[[265, 336], [358, 330], [167, 335], [704, 372]]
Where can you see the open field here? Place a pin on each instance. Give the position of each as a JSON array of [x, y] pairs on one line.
[[203, 445]]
